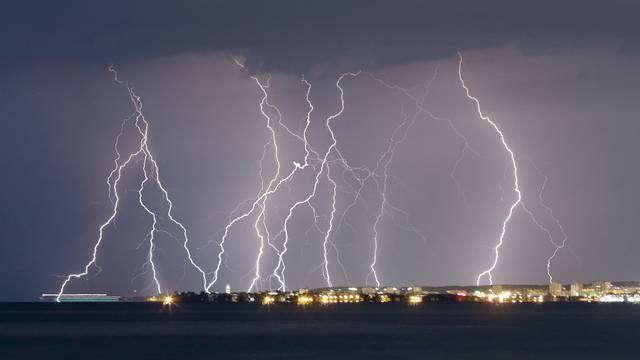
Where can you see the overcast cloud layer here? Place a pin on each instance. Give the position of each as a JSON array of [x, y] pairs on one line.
[[293, 36]]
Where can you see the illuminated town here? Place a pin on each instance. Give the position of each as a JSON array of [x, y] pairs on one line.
[[594, 292]]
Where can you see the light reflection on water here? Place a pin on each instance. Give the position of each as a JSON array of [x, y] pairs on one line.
[[375, 331]]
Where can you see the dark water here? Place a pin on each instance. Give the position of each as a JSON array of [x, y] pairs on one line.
[[369, 331]]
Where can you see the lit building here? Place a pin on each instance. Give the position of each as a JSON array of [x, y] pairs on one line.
[[411, 290], [268, 300], [601, 287], [576, 289], [304, 300], [391, 290], [227, 289], [368, 291], [556, 289]]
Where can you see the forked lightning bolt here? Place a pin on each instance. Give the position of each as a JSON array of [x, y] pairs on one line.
[[516, 187], [324, 169], [324, 165], [261, 202], [519, 200], [558, 246], [142, 125]]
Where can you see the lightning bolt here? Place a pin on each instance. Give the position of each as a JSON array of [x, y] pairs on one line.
[[153, 225], [420, 104], [261, 201], [142, 125], [116, 148], [324, 167], [519, 202], [563, 243], [137, 102], [516, 187], [390, 152], [281, 264], [321, 163]]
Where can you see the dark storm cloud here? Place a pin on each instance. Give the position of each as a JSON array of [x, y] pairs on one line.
[[292, 36]]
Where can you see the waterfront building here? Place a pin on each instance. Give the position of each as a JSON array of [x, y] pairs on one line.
[[368, 291], [556, 289], [601, 287], [391, 290], [576, 289]]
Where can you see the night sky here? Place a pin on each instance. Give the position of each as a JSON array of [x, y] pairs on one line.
[[558, 77]]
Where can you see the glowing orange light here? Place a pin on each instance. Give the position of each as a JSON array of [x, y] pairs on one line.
[[168, 300]]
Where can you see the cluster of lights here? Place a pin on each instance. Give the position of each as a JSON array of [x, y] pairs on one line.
[[620, 299], [166, 300], [268, 300], [304, 300], [507, 297], [634, 299], [344, 298]]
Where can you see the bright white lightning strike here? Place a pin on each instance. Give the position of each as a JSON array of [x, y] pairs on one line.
[[137, 102], [142, 126], [322, 166], [332, 146], [519, 200], [516, 187], [261, 201], [281, 264], [274, 184]]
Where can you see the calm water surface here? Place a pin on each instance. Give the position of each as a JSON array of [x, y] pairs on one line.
[[369, 331]]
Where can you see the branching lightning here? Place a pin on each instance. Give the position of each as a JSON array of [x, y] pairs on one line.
[[274, 184], [558, 245], [142, 125], [323, 167], [516, 187], [519, 199]]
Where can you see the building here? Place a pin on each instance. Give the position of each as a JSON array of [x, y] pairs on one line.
[[411, 290], [227, 289], [556, 289], [391, 290], [368, 291], [576, 289], [601, 287]]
